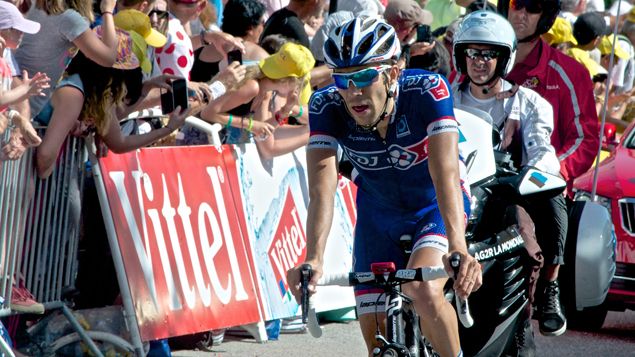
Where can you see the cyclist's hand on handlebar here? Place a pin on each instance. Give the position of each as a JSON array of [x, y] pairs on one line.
[[469, 278], [294, 277]]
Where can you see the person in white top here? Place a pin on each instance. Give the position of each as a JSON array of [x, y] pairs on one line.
[[484, 51]]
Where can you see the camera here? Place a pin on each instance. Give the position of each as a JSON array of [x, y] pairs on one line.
[[424, 34]]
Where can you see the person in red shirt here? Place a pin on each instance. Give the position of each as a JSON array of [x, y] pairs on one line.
[[567, 86]]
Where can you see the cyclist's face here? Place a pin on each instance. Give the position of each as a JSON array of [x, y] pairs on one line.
[[481, 62], [365, 95]]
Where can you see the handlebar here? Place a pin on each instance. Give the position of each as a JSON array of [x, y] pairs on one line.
[[389, 279]]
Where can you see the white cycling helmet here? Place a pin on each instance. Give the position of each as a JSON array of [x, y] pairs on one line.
[[361, 41], [486, 28]]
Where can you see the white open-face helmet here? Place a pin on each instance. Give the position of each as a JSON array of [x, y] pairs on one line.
[[485, 28], [361, 41]]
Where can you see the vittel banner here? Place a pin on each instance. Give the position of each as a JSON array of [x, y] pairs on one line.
[[207, 235], [188, 267]]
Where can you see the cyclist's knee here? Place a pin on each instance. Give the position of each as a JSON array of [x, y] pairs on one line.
[[428, 296]]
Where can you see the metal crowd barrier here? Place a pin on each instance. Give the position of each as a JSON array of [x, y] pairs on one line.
[[39, 229]]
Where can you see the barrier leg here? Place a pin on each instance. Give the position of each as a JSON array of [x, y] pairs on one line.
[[5, 350], [80, 330]]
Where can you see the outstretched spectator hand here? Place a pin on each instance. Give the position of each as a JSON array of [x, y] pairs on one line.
[[262, 130], [35, 86], [13, 149], [224, 42], [107, 5], [201, 91], [177, 118], [233, 74], [29, 135], [421, 48], [4, 123], [162, 81]]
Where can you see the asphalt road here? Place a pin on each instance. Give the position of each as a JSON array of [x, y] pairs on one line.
[[616, 339]]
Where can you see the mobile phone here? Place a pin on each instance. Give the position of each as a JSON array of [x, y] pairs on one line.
[[177, 96], [424, 33], [235, 56]]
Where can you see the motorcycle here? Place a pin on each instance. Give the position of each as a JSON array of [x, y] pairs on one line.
[[493, 235]]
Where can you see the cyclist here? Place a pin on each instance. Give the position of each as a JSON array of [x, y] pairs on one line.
[[484, 52], [398, 130]]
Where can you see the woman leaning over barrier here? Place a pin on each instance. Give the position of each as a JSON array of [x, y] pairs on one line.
[[89, 98]]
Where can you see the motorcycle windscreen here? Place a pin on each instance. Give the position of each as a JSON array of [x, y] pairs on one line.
[[475, 143]]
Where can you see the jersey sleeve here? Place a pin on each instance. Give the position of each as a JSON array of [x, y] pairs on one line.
[[437, 105], [323, 119]]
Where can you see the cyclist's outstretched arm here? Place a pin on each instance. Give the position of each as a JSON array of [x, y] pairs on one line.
[[322, 172], [444, 169]]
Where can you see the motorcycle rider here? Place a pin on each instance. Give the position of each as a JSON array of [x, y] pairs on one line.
[[399, 132], [484, 51]]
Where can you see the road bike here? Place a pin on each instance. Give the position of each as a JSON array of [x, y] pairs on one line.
[[403, 336]]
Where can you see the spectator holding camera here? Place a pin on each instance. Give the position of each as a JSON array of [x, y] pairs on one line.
[[419, 48], [84, 103], [276, 91]]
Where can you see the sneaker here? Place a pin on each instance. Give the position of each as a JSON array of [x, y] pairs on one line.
[[551, 320], [524, 338], [22, 301]]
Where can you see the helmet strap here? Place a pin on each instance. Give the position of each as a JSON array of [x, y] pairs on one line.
[[384, 113]]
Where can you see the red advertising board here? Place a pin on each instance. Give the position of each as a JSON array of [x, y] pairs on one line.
[[188, 267]]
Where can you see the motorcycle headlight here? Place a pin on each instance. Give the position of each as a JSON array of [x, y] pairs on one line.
[[586, 196]]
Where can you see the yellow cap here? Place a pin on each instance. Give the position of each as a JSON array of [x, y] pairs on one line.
[[140, 48], [583, 57], [631, 15], [292, 60], [560, 32], [137, 21], [607, 43]]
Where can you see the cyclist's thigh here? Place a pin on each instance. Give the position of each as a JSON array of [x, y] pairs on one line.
[[431, 231], [377, 236]]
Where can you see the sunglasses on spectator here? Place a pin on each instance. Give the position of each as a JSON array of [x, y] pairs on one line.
[[532, 6], [161, 14], [485, 55], [360, 79]]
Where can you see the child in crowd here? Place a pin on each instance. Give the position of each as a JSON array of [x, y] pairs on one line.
[[274, 92], [12, 27]]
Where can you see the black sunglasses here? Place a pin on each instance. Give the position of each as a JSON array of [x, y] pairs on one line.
[[486, 55], [532, 6], [159, 13]]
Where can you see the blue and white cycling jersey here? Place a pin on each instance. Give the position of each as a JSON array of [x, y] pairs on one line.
[[393, 171], [396, 195]]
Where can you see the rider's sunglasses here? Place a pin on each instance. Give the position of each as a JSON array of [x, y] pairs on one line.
[[360, 79], [485, 55], [532, 6]]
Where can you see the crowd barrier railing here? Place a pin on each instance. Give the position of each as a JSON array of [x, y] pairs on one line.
[[39, 231]]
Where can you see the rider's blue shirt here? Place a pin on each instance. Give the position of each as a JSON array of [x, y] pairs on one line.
[[393, 172]]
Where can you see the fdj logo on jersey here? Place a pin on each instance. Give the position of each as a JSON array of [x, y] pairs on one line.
[[394, 157]]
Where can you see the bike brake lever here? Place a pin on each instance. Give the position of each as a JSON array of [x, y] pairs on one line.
[[306, 271], [461, 304]]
